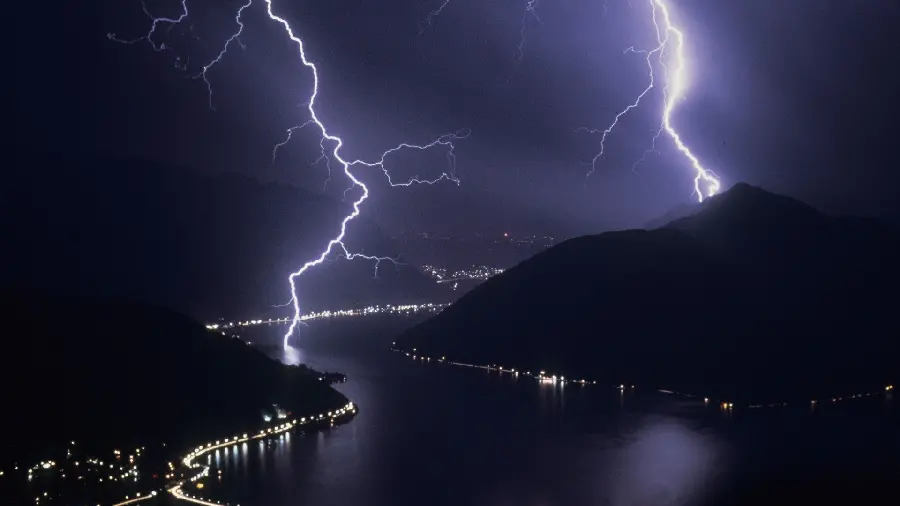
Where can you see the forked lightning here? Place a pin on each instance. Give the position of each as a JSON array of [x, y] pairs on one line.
[[335, 245], [706, 183]]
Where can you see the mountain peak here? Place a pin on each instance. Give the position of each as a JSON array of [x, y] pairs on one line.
[[741, 199], [750, 199], [755, 296], [748, 208]]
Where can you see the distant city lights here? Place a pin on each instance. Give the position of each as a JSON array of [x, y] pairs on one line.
[[402, 309], [478, 273], [45, 476]]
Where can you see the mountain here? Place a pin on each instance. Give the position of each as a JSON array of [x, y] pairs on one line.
[[113, 373], [754, 297], [209, 246]]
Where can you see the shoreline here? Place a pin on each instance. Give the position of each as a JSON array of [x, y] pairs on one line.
[[188, 461], [200, 471], [724, 405]]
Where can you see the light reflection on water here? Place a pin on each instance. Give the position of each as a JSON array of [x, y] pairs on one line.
[[433, 434], [665, 462]]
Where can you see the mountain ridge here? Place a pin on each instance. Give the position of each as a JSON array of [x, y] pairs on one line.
[[120, 372], [740, 311]]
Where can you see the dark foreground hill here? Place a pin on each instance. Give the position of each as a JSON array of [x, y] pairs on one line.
[[755, 297], [117, 373], [676, 213], [209, 246]]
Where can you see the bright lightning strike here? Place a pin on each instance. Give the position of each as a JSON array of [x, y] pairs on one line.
[[337, 243], [677, 90], [674, 89]]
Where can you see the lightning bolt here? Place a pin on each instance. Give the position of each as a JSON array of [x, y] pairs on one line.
[[235, 37], [605, 132], [678, 89], [323, 155], [433, 14], [155, 23], [529, 13], [673, 90], [290, 135], [444, 140], [337, 243], [665, 93]]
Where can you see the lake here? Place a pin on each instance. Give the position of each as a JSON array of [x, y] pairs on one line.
[[431, 433]]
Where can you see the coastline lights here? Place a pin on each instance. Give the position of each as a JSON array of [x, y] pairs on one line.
[[403, 309], [478, 273], [543, 378], [190, 462], [106, 472]]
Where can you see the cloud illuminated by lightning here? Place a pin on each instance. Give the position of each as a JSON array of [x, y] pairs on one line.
[[674, 90], [336, 244]]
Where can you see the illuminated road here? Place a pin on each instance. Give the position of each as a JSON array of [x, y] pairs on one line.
[[202, 471], [139, 498]]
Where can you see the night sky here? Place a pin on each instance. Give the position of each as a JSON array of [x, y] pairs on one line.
[[798, 97]]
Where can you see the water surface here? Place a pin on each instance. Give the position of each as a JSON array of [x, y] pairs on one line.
[[430, 433]]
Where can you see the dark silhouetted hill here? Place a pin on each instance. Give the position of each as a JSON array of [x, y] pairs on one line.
[[208, 246], [106, 372], [755, 297], [677, 212]]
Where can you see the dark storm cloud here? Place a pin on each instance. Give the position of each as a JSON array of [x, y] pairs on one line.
[[796, 96]]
